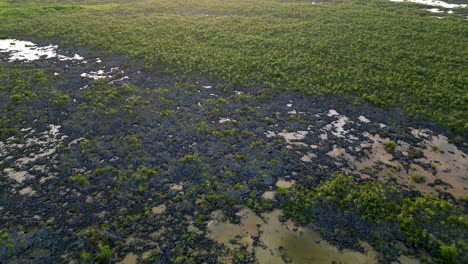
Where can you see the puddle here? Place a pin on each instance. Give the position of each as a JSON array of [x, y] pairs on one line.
[[28, 191], [281, 242], [234, 236], [337, 127], [332, 112], [433, 3], [285, 184], [95, 75], [440, 4], [427, 164], [448, 163], [226, 120], [441, 166], [269, 195], [36, 146], [340, 153], [301, 245], [193, 229], [176, 187], [364, 119], [19, 50], [129, 259], [101, 74], [420, 133], [293, 136], [27, 51], [435, 10], [18, 176], [308, 157], [160, 209]]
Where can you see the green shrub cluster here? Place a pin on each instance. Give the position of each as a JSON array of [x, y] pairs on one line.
[[26, 94], [422, 222], [388, 54], [390, 146]]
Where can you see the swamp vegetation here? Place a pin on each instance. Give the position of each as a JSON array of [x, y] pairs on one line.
[[331, 111]]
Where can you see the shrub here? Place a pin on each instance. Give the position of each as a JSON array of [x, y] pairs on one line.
[[418, 178], [448, 254], [80, 179], [425, 222], [390, 146], [105, 252], [86, 256]]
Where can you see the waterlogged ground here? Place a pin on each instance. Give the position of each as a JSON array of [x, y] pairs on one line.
[[439, 8], [278, 242], [100, 161]]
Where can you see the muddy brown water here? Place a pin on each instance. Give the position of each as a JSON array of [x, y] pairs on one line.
[[440, 161], [284, 242], [281, 241]]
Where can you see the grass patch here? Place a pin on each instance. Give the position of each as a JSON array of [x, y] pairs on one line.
[[390, 146], [104, 254], [28, 10], [386, 53], [32, 11], [99, 7], [418, 178], [3, 4], [80, 179], [22, 92]]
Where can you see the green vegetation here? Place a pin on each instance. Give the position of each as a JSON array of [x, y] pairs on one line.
[[4, 238], [464, 199], [3, 4], [98, 243], [80, 179], [104, 254], [26, 94], [448, 254], [418, 178], [126, 146], [86, 256], [389, 54], [390, 146], [433, 167], [425, 222], [239, 256], [189, 158]]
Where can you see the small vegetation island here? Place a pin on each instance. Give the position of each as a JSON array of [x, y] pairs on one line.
[[234, 131]]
